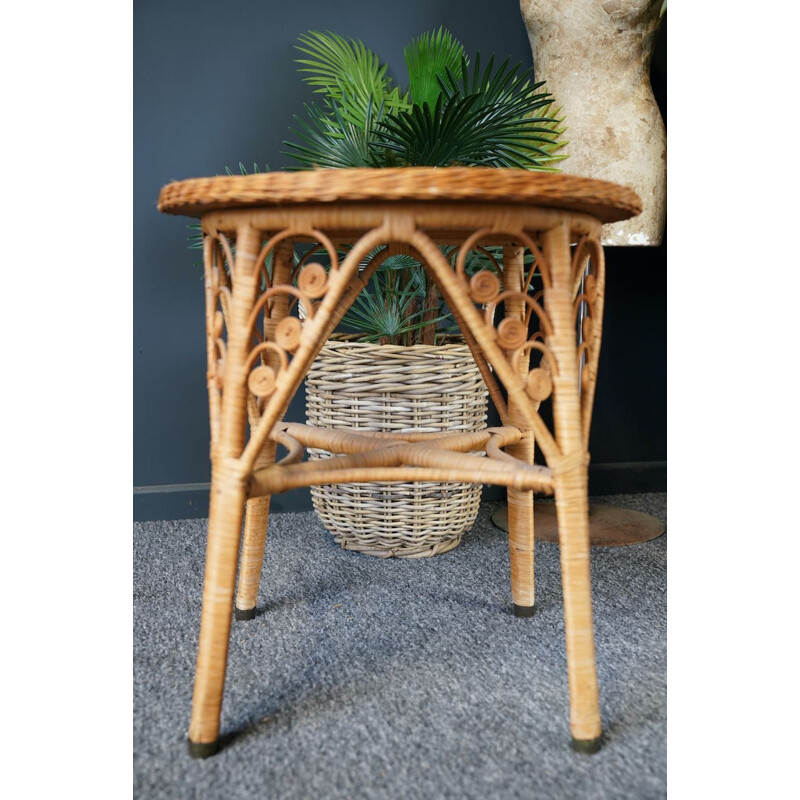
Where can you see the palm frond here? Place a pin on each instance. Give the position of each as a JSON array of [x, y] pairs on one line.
[[491, 116], [461, 130], [400, 262], [328, 140], [243, 169], [514, 125], [427, 57], [386, 308], [347, 72]]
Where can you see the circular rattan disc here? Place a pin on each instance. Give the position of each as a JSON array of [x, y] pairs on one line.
[[609, 526]]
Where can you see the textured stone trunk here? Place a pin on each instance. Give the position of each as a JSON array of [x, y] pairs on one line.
[[595, 56]]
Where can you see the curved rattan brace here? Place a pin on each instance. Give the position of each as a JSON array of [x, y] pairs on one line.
[[225, 301], [360, 441], [263, 347], [335, 441], [228, 252], [527, 241], [592, 362], [277, 291], [358, 283], [582, 298], [379, 452], [313, 234], [494, 355], [534, 344], [493, 450], [313, 331], [533, 307], [495, 262], [538, 261], [579, 261], [294, 447], [469, 244], [261, 265], [305, 259], [392, 463]]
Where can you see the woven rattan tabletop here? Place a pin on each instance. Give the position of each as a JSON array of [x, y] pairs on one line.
[[606, 201]]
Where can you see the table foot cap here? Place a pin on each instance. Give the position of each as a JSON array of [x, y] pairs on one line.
[[203, 749], [524, 611], [586, 745], [244, 613]]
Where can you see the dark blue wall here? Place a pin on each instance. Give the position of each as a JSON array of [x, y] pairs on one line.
[[215, 84]]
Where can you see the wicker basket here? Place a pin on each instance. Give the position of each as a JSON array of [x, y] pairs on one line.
[[402, 389]]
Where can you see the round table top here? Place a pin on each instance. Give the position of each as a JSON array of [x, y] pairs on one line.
[[608, 202]]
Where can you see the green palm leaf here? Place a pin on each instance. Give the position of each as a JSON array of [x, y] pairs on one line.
[[348, 73], [427, 58], [384, 310], [508, 93], [490, 118], [461, 115], [330, 141], [464, 131]]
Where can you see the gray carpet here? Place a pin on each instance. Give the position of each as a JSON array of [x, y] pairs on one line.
[[370, 678]]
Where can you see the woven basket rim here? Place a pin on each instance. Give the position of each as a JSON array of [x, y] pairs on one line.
[[347, 341]]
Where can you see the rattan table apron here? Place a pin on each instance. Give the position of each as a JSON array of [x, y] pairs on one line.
[[259, 352]]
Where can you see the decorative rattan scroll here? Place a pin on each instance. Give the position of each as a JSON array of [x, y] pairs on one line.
[[277, 336]]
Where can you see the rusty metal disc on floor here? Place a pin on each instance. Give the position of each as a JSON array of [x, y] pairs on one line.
[[609, 526]]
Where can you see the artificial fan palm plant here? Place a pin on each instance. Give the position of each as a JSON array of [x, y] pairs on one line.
[[453, 113]]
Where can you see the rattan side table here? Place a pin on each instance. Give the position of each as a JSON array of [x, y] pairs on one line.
[[259, 352]]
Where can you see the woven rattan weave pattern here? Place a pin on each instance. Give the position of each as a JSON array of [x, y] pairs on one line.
[[259, 351], [372, 387], [607, 201]]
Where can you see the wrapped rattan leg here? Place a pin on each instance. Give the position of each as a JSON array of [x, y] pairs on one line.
[[572, 510], [520, 504], [571, 487], [520, 536], [228, 481], [255, 537], [222, 552], [257, 513]]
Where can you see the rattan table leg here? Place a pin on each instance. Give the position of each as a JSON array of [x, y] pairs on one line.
[[520, 504], [521, 536], [571, 487], [255, 537], [229, 478], [257, 512], [572, 509], [222, 552]]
